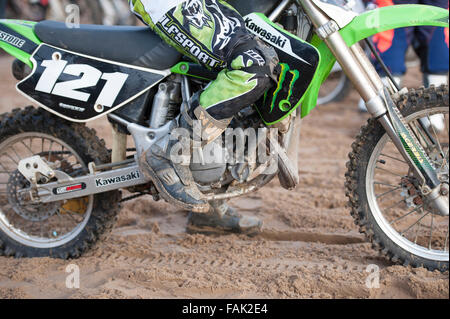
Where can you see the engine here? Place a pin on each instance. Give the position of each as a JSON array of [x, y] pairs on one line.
[[218, 169]]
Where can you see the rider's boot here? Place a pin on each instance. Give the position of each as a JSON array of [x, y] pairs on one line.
[[173, 179], [222, 219]]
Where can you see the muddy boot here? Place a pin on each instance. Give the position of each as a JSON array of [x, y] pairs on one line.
[[222, 219], [173, 181]]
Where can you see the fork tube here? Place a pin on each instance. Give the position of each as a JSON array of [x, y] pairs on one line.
[[342, 53], [279, 9], [354, 64], [360, 55]]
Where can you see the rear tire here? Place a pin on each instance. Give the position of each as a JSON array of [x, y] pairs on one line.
[[90, 148]]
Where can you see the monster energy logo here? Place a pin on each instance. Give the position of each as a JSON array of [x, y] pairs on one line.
[[284, 105]]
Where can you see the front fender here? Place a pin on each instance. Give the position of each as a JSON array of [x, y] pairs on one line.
[[368, 24]]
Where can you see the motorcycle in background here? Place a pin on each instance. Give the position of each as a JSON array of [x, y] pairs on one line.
[[90, 10]]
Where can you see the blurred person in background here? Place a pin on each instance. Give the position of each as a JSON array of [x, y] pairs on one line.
[[3, 9], [430, 44], [34, 10]]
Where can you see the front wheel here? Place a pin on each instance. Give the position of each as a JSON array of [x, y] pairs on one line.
[[383, 193]]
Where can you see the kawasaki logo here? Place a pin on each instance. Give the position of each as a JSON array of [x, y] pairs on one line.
[[100, 182], [270, 34], [277, 40]]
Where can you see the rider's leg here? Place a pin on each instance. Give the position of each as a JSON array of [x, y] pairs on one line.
[[432, 47], [212, 33], [391, 45]]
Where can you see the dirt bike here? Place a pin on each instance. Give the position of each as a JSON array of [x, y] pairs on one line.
[[60, 186]]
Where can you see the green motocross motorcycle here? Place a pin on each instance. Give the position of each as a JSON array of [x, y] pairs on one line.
[[60, 186]]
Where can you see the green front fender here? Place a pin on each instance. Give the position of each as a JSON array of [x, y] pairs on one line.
[[366, 25], [23, 28]]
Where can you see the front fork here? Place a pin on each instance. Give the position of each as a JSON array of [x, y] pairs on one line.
[[379, 104]]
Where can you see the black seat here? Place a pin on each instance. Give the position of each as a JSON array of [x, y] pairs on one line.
[[138, 46]]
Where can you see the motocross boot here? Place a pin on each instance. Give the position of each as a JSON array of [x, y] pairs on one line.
[[174, 180], [222, 219]]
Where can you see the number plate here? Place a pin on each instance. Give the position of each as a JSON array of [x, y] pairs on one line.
[[81, 88]]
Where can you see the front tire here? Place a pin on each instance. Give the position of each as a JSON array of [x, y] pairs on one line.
[[60, 229], [381, 188]]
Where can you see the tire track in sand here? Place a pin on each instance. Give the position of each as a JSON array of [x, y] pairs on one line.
[[186, 261]]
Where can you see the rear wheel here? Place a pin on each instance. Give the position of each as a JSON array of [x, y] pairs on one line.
[[59, 229], [384, 195]]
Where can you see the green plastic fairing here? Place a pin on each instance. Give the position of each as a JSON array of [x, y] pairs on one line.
[[25, 29]]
